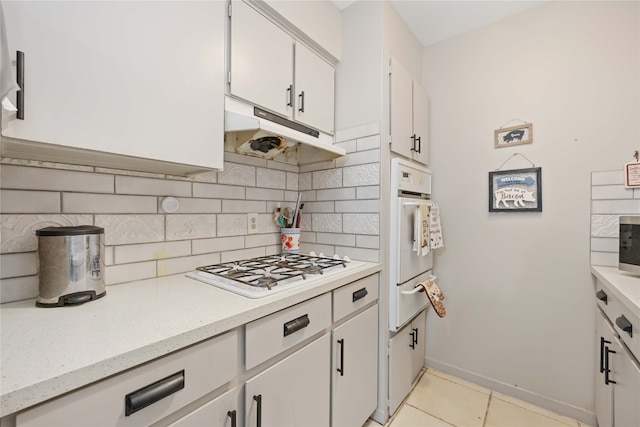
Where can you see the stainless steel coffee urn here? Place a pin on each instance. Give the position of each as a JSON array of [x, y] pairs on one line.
[[71, 265]]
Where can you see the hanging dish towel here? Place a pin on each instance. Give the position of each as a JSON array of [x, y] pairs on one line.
[[421, 229], [435, 230], [435, 296], [7, 82]]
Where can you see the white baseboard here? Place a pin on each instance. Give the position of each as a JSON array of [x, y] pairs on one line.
[[549, 404]]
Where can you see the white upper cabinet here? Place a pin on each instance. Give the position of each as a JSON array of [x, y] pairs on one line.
[[409, 115], [143, 81], [270, 69]]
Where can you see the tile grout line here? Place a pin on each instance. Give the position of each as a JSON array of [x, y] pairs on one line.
[[486, 411]]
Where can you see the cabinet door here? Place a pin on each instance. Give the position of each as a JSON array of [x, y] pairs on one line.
[[603, 392], [261, 60], [355, 370], [401, 111], [141, 79], [315, 89], [220, 412], [293, 392], [626, 390], [418, 326], [406, 358], [421, 123]]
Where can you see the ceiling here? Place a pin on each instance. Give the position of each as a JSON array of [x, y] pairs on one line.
[[433, 21]]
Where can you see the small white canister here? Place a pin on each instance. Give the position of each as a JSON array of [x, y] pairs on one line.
[[71, 265]]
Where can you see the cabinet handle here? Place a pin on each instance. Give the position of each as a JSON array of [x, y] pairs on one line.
[[624, 324], [20, 81], [607, 381], [602, 296], [301, 99], [413, 142], [290, 96], [153, 393], [341, 368], [418, 140], [415, 336], [296, 324], [258, 399], [359, 294], [413, 339], [232, 415], [602, 355]]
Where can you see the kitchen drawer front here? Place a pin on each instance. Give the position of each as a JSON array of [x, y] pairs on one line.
[[625, 323], [181, 377], [270, 335], [354, 296]]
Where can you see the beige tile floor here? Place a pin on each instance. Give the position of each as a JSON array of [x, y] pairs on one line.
[[441, 400]]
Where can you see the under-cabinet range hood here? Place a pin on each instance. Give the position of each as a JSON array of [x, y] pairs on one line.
[[255, 132]]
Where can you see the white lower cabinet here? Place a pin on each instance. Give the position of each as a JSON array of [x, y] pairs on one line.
[[354, 372], [294, 391], [406, 359], [220, 412]]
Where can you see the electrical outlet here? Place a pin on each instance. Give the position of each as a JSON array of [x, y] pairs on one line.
[[252, 223]]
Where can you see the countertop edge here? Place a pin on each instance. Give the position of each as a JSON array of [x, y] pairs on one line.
[[33, 394], [621, 284]]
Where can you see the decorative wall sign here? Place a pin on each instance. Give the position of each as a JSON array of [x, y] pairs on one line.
[[632, 175], [514, 135], [516, 190]]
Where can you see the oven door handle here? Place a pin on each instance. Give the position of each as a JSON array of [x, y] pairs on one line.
[[418, 287]]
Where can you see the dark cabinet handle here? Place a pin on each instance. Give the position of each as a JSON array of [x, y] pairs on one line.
[[258, 399], [607, 381], [296, 324], [602, 296], [341, 368], [418, 139], [153, 393], [301, 98], [290, 96], [232, 415], [413, 339], [415, 336], [359, 294], [20, 81], [413, 142], [602, 354], [624, 324]]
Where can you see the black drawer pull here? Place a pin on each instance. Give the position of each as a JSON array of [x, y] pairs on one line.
[[296, 324], [232, 415], [360, 293], [20, 82], [602, 354], [258, 399], [341, 368], [602, 296], [607, 352], [153, 393], [624, 324], [413, 339]]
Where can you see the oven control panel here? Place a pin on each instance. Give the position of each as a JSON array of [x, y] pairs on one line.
[[407, 176]]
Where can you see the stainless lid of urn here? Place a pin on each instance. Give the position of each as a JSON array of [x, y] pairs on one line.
[[71, 265]]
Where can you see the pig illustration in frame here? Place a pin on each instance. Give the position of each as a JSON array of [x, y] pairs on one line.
[[515, 190]]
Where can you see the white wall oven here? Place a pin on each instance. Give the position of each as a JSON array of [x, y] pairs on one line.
[[410, 187]]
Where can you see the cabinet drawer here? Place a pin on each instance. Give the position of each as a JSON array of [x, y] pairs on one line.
[[221, 411], [270, 335], [625, 323], [152, 391], [354, 296]]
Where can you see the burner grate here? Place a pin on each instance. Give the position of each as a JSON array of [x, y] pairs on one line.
[[268, 271]]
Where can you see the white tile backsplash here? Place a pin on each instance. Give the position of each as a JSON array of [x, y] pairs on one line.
[[142, 241], [609, 200]]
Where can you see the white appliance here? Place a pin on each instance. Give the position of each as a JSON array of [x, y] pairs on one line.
[[410, 185]]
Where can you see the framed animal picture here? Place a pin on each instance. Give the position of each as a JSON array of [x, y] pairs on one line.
[[516, 190], [515, 135]]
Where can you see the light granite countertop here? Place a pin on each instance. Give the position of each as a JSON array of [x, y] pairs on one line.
[[45, 352], [625, 286]]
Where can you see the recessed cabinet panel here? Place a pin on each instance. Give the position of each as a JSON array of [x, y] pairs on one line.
[[401, 110], [627, 388], [354, 370], [139, 79], [294, 391], [421, 123], [605, 336], [218, 412], [315, 87], [261, 60]]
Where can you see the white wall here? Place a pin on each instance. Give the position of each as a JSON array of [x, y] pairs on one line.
[[519, 296]]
